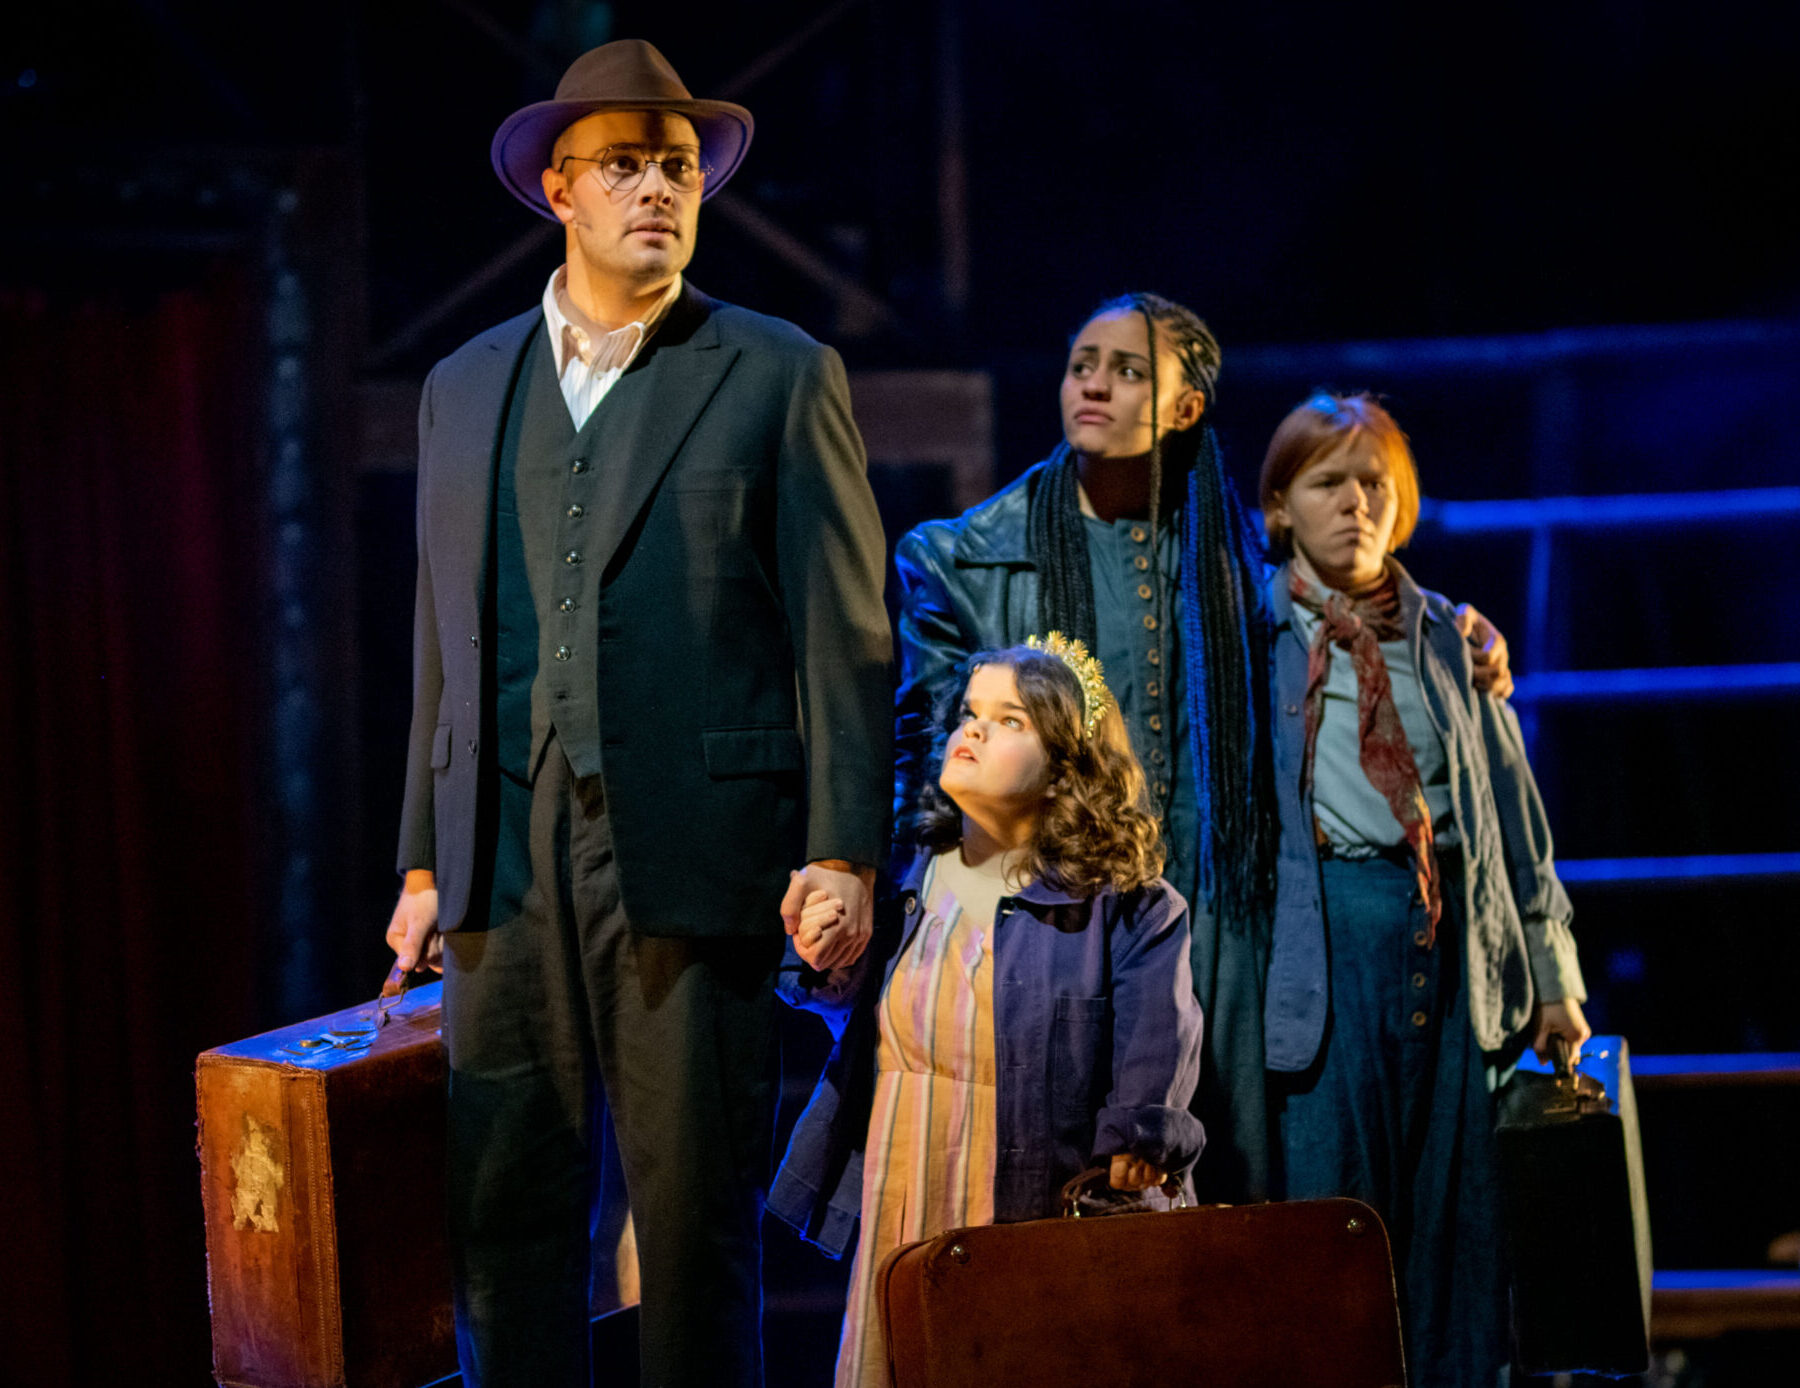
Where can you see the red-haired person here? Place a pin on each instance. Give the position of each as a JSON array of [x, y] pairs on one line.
[[1024, 1011], [1421, 937]]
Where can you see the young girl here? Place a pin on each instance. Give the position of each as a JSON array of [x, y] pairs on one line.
[[1421, 936], [1024, 1010]]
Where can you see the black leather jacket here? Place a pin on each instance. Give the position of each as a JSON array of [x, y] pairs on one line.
[[966, 584]]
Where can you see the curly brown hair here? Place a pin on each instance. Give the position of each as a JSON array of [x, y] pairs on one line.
[[1098, 830]]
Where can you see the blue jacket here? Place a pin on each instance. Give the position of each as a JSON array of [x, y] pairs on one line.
[[1519, 947], [1096, 1049]]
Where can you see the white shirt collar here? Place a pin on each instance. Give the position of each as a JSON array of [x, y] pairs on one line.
[[572, 331]]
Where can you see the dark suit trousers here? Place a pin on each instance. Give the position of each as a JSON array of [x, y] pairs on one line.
[[554, 1013]]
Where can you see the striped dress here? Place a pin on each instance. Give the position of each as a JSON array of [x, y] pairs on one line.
[[929, 1163]]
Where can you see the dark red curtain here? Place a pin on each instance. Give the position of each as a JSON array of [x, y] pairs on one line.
[[130, 700]]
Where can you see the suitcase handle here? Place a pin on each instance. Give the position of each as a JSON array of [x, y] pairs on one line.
[[393, 992], [1559, 1058], [1099, 1178]]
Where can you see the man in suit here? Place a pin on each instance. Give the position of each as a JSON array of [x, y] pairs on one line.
[[651, 676]]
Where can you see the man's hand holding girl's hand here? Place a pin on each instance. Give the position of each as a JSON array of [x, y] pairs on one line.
[[818, 934], [830, 913]]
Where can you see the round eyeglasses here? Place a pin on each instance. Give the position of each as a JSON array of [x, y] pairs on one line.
[[622, 168]]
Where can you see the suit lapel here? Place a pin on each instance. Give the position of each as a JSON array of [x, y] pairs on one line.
[[646, 416], [470, 419]]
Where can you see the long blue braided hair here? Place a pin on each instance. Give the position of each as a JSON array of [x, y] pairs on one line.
[[1219, 571]]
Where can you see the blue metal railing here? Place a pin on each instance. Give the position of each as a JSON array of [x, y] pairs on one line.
[[1634, 511], [1665, 682], [1523, 353], [1696, 867], [1724, 1063]]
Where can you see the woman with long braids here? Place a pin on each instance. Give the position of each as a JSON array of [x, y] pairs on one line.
[[1130, 537], [1421, 937]]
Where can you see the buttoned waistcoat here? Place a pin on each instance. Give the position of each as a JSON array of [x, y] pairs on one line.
[[729, 602]]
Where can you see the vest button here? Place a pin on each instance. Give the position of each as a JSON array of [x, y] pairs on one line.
[[566, 605], [579, 465], [572, 558], [1144, 591], [563, 652], [471, 746], [1141, 563], [577, 511], [474, 640], [1419, 1019], [1138, 533]]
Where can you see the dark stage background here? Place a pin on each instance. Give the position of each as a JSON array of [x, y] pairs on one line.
[[232, 241]]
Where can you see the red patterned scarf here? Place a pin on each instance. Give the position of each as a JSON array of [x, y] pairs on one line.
[[1359, 623]]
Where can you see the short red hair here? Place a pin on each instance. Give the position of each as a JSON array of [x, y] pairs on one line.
[[1323, 425]]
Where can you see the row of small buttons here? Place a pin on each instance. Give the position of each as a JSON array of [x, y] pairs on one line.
[[573, 559], [1423, 941], [1152, 688]]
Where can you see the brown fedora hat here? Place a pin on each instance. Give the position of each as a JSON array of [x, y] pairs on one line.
[[625, 75]]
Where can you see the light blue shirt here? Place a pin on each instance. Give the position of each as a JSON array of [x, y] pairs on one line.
[[1353, 815]]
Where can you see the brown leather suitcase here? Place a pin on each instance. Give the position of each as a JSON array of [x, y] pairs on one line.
[[1250, 1296], [322, 1177]]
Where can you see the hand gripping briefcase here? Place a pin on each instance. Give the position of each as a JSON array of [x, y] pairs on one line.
[[1578, 1229], [1251, 1296], [322, 1177]]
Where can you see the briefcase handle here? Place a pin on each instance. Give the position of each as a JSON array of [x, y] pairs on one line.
[[393, 990], [1559, 1058], [1099, 1178]]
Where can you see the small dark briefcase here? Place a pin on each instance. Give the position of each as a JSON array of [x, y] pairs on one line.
[[1251, 1296], [1577, 1226], [322, 1178]]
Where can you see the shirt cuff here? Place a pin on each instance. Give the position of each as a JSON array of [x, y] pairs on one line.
[[1555, 966]]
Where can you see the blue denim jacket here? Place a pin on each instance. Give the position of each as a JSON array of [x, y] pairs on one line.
[[1519, 948], [1096, 1049]]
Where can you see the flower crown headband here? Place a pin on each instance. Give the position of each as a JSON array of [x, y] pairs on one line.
[[1095, 696]]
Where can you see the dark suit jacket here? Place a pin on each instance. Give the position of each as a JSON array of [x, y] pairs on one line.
[[744, 668]]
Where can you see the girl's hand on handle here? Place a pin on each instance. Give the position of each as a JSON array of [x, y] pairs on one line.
[[1129, 1173]]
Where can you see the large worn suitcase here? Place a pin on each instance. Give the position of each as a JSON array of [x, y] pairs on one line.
[[1251, 1296], [1572, 1178], [322, 1176]]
